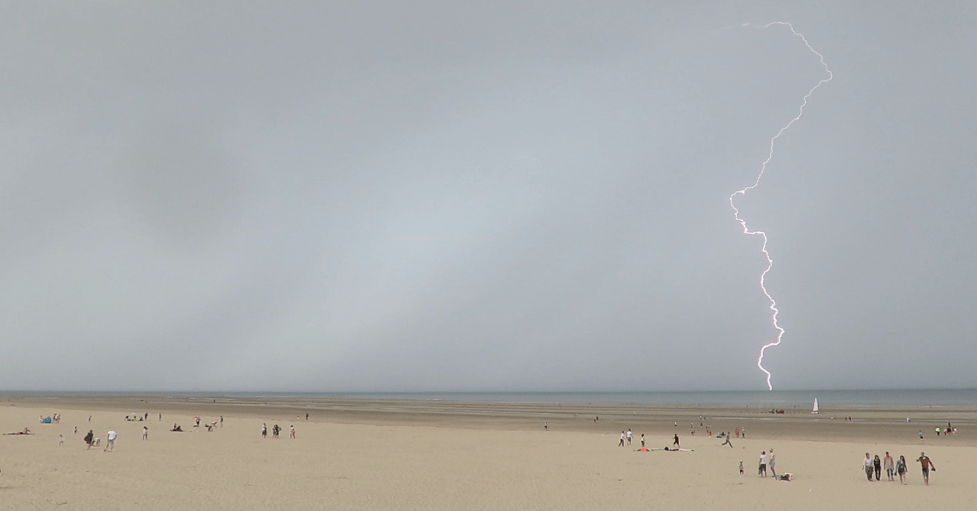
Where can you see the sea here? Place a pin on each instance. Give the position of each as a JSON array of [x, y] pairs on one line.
[[927, 398]]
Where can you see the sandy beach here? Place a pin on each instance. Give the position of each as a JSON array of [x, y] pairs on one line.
[[392, 454]]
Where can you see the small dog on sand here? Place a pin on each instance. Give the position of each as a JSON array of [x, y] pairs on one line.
[[97, 442]]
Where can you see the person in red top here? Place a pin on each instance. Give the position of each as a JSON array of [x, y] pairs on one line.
[[927, 464]]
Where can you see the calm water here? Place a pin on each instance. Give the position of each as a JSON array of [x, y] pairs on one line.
[[779, 399]]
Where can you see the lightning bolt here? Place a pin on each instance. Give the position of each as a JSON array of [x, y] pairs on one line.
[[763, 168]]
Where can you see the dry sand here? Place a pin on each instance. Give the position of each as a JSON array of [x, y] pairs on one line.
[[383, 454]]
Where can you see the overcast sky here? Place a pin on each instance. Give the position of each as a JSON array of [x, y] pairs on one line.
[[484, 196]]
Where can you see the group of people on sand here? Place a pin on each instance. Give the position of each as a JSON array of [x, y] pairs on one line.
[[276, 430], [90, 440], [874, 466]]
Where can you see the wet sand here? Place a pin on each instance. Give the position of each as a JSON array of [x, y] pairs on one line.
[[400, 454]]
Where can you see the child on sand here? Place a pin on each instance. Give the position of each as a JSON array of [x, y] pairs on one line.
[[741, 468], [727, 442]]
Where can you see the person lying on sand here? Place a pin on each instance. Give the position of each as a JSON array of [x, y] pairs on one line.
[[24, 432]]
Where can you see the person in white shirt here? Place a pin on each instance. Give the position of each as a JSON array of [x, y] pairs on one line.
[[869, 466], [763, 464], [110, 440]]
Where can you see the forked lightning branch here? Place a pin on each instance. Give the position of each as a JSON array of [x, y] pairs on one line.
[[763, 168]]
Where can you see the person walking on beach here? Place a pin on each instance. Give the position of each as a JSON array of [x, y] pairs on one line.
[[727, 442], [927, 464], [222, 421], [264, 430], [621, 443], [676, 441], [110, 441], [145, 432], [630, 436], [291, 431], [741, 466], [60, 440], [920, 435], [877, 465], [89, 438], [763, 464], [869, 467], [642, 440], [888, 465], [772, 461], [901, 469]]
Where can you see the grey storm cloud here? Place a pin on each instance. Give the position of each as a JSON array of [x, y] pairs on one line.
[[418, 196]]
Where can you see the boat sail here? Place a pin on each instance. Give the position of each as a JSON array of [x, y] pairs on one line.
[[815, 406]]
